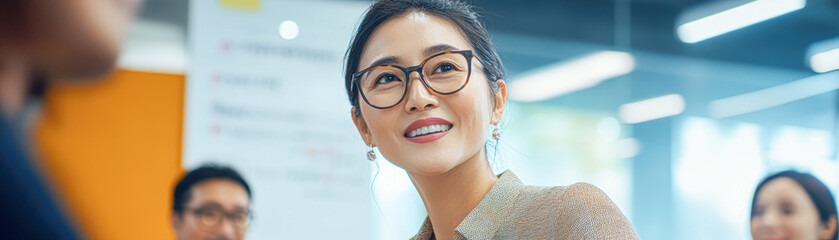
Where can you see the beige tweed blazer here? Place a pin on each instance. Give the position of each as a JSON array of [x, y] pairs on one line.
[[512, 210]]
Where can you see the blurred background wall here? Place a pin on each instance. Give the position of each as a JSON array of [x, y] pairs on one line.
[[113, 151]]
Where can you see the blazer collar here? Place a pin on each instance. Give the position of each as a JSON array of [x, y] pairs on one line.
[[485, 219]]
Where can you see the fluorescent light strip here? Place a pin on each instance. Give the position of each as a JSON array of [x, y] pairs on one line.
[[825, 61], [736, 18], [651, 109], [774, 96], [572, 76]]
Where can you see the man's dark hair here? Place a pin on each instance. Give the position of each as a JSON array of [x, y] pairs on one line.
[[205, 172]]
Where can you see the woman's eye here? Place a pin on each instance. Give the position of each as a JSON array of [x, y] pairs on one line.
[[788, 211], [386, 79], [444, 68]]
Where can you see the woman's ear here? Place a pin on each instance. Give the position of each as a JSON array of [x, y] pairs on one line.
[[828, 228], [363, 130], [500, 102]]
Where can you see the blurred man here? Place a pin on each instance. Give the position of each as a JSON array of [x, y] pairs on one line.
[[211, 202], [42, 41]]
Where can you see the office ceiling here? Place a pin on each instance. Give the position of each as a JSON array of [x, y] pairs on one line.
[[779, 42]]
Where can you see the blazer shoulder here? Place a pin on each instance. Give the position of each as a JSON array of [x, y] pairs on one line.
[[587, 193], [584, 208], [577, 193], [578, 199]]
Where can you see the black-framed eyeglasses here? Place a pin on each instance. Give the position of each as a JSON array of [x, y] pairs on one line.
[[212, 217], [385, 86]]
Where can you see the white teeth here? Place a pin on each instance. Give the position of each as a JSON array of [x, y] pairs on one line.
[[429, 129]]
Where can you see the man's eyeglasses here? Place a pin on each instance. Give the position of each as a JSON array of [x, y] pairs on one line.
[[212, 217]]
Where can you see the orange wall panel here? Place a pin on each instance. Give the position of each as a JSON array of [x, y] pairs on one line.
[[113, 152]]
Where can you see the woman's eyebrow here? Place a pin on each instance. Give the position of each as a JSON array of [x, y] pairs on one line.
[[391, 60], [438, 48]]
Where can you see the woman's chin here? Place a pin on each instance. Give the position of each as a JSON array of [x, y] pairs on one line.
[[431, 168]]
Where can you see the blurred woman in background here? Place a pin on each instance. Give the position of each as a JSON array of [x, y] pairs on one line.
[[793, 205], [426, 85]]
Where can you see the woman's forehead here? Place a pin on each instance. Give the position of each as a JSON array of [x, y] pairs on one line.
[[783, 189], [407, 37]]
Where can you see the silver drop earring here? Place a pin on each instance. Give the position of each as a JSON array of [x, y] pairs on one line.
[[371, 155], [496, 133]]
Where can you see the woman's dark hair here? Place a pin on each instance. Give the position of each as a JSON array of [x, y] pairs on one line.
[[459, 13], [205, 172], [817, 191]]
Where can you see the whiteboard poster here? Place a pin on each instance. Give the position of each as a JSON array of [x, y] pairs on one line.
[[265, 95]]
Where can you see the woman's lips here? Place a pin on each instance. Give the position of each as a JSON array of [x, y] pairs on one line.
[[430, 136], [770, 238], [129, 6]]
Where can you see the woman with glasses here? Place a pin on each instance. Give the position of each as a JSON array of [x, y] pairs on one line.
[[426, 85]]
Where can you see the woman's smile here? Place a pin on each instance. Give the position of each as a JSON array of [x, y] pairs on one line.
[[427, 130]]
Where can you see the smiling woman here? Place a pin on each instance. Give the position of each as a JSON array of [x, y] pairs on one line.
[[793, 205], [432, 85]]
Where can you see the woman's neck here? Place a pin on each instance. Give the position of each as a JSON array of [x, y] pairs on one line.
[[450, 196]]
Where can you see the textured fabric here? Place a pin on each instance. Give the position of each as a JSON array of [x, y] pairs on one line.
[[512, 210]]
